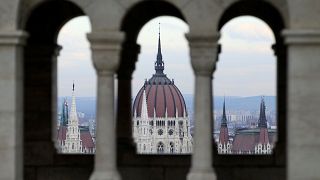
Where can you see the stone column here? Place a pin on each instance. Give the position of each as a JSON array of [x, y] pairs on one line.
[[129, 56], [40, 103], [106, 59], [11, 104], [203, 50], [54, 95], [303, 103]]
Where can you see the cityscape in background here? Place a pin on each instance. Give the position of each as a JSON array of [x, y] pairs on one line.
[[162, 108], [242, 113]]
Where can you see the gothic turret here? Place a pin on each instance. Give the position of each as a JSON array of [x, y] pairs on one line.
[[262, 117], [73, 142], [264, 136], [224, 145], [263, 146]]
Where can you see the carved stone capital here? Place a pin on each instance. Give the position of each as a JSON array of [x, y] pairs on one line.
[[13, 38], [302, 36], [106, 48], [203, 51]]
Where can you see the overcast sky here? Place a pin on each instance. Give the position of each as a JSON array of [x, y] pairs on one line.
[[246, 65]]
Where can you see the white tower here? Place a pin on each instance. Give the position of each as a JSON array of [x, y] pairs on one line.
[[73, 142]]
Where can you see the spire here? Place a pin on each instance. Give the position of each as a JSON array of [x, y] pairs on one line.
[[262, 118], [73, 132], [224, 134], [73, 111], [144, 108], [224, 116], [159, 64]]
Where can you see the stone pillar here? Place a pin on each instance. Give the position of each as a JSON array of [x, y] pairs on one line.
[[203, 50], [106, 59], [11, 104], [54, 95], [129, 56], [303, 103], [40, 103]]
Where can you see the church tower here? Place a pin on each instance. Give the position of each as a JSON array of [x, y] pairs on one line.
[[224, 145], [263, 146], [73, 143]]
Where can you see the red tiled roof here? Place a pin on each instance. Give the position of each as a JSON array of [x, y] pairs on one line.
[[247, 140], [86, 138]]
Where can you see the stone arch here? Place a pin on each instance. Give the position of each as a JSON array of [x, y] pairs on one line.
[[272, 17], [139, 14], [49, 17], [260, 9], [40, 87]]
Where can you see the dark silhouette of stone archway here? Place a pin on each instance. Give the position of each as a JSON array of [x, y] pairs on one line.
[[41, 160]]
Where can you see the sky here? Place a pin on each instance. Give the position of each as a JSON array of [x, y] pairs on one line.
[[246, 64]]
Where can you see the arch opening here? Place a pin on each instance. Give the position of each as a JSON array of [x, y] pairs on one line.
[[76, 90], [40, 81], [245, 88], [163, 105]]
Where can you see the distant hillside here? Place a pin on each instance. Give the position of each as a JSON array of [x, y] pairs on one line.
[[251, 103], [87, 105]]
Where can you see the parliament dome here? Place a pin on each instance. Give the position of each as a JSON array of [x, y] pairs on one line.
[[163, 97]]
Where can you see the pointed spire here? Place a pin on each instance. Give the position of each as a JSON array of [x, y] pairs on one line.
[[144, 109], [224, 116], [262, 118], [159, 64], [73, 112], [224, 133]]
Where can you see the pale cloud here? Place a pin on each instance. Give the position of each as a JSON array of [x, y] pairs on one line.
[[246, 65], [247, 35], [74, 61]]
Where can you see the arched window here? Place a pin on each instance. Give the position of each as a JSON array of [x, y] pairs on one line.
[[76, 81], [172, 147], [160, 148], [164, 56], [245, 85]]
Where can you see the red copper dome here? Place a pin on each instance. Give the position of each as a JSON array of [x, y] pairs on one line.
[[161, 94]]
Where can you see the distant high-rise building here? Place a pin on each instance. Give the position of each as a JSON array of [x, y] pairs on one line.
[[64, 113], [160, 121]]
